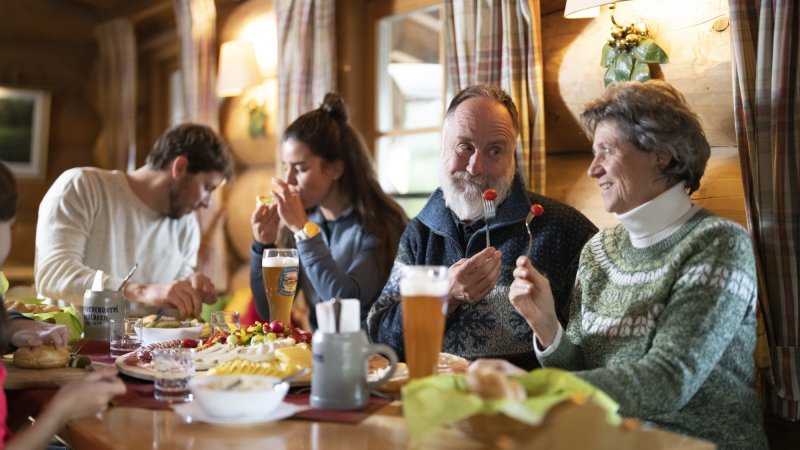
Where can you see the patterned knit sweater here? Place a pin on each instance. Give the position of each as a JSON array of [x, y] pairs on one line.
[[668, 329], [490, 328]]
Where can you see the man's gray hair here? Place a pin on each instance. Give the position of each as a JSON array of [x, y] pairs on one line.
[[487, 90]]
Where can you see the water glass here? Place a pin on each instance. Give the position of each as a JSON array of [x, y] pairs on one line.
[[423, 295], [223, 320], [174, 369], [122, 336]]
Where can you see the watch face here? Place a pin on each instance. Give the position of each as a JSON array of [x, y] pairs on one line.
[[311, 229]]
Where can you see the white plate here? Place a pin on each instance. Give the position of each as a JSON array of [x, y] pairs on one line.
[[193, 411]]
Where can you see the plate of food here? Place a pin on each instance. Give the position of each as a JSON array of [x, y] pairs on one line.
[[448, 364], [152, 329], [259, 349], [42, 366]]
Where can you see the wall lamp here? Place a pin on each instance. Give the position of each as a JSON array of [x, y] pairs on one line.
[[628, 51], [238, 72]]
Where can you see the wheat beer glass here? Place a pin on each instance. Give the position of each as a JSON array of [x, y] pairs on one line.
[[423, 293], [280, 270]]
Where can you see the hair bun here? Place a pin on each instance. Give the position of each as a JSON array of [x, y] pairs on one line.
[[334, 105]]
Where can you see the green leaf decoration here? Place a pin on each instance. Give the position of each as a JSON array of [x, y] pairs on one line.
[[3, 283], [649, 52], [609, 55], [641, 71], [608, 78], [621, 69]]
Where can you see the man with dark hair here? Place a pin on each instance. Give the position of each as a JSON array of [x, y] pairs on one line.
[[480, 136], [93, 219]]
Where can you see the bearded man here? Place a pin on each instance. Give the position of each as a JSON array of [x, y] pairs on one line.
[[480, 135], [93, 219]]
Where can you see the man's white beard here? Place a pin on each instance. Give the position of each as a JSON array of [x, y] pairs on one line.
[[463, 192]]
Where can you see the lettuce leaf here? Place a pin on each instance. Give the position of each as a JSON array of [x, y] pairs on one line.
[[440, 400], [66, 316]]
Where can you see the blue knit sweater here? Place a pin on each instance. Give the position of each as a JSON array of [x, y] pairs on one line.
[[490, 328]]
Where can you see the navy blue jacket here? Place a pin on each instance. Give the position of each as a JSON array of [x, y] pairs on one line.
[[490, 328]]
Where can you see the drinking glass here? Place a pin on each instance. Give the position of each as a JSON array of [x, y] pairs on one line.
[[174, 369], [223, 320], [122, 336], [280, 270], [423, 295]]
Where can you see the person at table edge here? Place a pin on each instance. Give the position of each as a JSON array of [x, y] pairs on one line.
[[478, 152], [94, 219]]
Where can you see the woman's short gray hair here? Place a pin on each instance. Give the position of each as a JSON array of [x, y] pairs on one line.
[[654, 116]]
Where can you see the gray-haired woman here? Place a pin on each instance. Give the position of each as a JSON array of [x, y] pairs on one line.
[[663, 312]]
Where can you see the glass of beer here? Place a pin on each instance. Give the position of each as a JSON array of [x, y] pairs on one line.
[[280, 270], [423, 294]]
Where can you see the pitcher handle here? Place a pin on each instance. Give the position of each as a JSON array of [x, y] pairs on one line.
[[389, 353]]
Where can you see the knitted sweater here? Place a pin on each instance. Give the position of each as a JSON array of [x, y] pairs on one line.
[[490, 328], [668, 330]]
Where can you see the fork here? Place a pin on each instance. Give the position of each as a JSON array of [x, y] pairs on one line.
[[536, 210], [489, 213]]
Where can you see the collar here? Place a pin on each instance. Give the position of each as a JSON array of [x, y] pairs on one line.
[[656, 219]]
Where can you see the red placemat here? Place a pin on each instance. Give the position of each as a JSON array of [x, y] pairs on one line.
[[330, 415]]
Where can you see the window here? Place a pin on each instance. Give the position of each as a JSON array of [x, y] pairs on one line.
[[411, 92]]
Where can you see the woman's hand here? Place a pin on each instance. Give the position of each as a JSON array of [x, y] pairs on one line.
[[531, 296], [290, 205], [86, 396], [30, 333], [265, 221]]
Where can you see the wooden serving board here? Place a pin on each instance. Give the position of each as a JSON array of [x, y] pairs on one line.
[[17, 379]]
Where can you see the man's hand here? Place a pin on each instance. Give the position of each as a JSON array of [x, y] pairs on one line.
[[471, 279], [204, 286], [290, 205], [531, 296], [29, 333], [180, 295], [265, 221]]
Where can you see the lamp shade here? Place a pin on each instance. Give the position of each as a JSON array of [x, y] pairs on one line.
[[238, 68], [581, 9]]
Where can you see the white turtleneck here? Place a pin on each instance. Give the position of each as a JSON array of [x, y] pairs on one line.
[[648, 224], [651, 222]]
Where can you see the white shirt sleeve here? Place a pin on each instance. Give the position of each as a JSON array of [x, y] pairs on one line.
[[549, 350]]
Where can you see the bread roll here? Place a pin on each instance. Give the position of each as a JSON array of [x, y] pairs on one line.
[[41, 357], [492, 384]]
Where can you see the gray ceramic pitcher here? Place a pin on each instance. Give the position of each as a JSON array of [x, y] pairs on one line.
[[339, 372]]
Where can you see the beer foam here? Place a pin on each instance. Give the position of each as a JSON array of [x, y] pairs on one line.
[[280, 261], [419, 286]]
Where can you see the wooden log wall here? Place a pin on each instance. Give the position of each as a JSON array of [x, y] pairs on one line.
[[696, 36]]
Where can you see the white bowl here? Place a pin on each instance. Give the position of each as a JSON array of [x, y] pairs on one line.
[[154, 335], [253, 395]]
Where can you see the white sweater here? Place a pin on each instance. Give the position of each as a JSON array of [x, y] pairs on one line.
[[91, 219]]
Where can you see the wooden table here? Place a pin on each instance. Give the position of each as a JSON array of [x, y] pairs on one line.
[[135, 428]]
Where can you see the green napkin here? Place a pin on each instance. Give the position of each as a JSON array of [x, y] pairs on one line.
[[66, 316], [440, 400]]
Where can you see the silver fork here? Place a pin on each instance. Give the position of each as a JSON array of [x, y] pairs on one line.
[[536, 210], [488, 215]]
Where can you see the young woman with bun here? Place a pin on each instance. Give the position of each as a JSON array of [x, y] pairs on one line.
[[44, 346], [330, 206]]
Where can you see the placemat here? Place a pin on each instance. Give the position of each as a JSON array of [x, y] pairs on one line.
[[330, 415]]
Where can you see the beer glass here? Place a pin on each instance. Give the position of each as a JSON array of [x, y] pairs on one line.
[[423, 294], [280, 271]]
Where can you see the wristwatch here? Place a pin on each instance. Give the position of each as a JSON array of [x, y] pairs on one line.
[[309, 230]]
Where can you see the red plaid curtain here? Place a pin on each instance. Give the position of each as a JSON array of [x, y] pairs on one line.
[[500, 42], [766, 49]]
